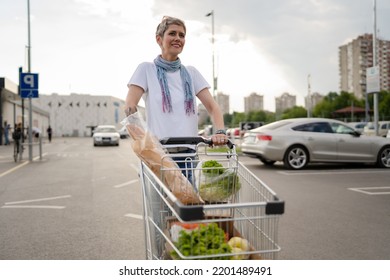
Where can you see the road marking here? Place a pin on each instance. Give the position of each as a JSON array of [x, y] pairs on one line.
[[99, 178], [13, 169], [19, 166], [370, 190], [135, 216], [126, 184], [36, 200], [34, 206], [333, 172]]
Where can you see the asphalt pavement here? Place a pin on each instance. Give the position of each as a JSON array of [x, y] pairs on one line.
[[77, 202], [84, 202]]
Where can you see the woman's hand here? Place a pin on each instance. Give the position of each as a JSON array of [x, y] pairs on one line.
[[219, 139]]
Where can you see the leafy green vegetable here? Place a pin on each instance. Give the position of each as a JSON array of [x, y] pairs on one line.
[[220, 188], [212, 167], [205, 240]]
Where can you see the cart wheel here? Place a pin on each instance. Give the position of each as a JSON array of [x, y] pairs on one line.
[[296, 157]]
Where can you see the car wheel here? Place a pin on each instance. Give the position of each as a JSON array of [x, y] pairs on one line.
[[267, 162], [296, 157], [384, 157]]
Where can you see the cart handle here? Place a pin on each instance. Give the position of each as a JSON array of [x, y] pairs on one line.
[[191, 141]]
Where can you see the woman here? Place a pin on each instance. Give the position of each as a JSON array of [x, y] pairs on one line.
[[170, 88]]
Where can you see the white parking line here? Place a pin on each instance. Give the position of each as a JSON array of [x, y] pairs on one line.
[[126, 183], [13, 169], [333, 172], [39, 199], [20, 165], [34, 206], [371, 190], [135, 216]]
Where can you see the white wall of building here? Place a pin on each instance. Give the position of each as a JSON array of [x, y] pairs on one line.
[[73, 115]]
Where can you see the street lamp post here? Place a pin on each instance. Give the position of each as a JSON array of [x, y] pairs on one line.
[[309, 100], [374, 64], [213, 58], [30, 148]]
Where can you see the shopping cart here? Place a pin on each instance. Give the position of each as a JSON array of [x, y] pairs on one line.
[[251, 212]]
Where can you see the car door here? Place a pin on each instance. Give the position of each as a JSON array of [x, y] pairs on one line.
[[319, 139], [350, 146]]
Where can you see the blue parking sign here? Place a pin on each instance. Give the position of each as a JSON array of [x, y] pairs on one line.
[[28, 85]]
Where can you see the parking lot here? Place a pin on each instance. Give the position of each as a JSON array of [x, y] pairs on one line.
[[84, 202]]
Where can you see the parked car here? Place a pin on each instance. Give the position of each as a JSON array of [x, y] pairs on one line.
[[383, 128], [297, 142], [123, 133], [105, 135], [233, 132], [358, 126]]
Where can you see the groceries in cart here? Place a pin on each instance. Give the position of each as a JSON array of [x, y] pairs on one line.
[[215, 182], [148, 148], [207, 241]]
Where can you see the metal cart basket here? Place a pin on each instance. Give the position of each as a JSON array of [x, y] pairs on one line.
[[251, 212]]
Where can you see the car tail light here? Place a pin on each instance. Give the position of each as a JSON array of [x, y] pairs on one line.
[[264, 137]]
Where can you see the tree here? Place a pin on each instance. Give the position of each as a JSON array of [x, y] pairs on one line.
[[294, 112], [384, 105]]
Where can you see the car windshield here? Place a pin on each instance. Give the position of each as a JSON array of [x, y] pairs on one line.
[[105, 129]]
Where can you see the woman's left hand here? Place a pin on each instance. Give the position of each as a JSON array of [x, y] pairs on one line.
[[219, 139]]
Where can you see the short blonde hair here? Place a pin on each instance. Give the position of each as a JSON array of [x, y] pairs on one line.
[[166, 22]]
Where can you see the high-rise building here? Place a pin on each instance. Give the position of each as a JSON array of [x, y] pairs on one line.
[[253, 102], [315, 98], [285, 101], [356, 56], [223, 101]]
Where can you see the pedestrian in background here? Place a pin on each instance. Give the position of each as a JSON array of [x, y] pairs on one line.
[[7, 129], [49, 132], [36, 133]]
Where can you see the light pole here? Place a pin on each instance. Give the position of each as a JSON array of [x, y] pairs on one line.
[[374, 64], [30, 151], [212, 42], [309, 103]]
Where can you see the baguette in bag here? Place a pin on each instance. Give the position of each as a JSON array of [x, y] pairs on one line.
[[147, 147]]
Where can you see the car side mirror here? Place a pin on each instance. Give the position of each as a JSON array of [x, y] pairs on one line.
[[355, 133]]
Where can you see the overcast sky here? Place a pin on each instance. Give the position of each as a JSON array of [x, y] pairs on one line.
[[268, 47]]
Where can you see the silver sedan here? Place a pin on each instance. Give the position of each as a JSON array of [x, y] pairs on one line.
[[297, 142], [106, 135]]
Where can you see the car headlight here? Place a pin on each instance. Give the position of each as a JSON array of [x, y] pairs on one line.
[[98, 138]]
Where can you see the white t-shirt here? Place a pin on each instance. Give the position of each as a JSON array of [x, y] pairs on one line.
[[168, 124]]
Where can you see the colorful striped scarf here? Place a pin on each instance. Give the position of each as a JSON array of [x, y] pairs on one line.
[[164, 66]]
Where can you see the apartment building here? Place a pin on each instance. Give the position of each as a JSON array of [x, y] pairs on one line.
[[223, 101], [356, 56], [285, 101], [312, 100], [253, 102]]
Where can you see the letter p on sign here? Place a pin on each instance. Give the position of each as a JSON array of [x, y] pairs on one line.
[[29, 80], [28, 85]]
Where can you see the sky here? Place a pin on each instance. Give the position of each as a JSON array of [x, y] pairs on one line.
[[267, 47]]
